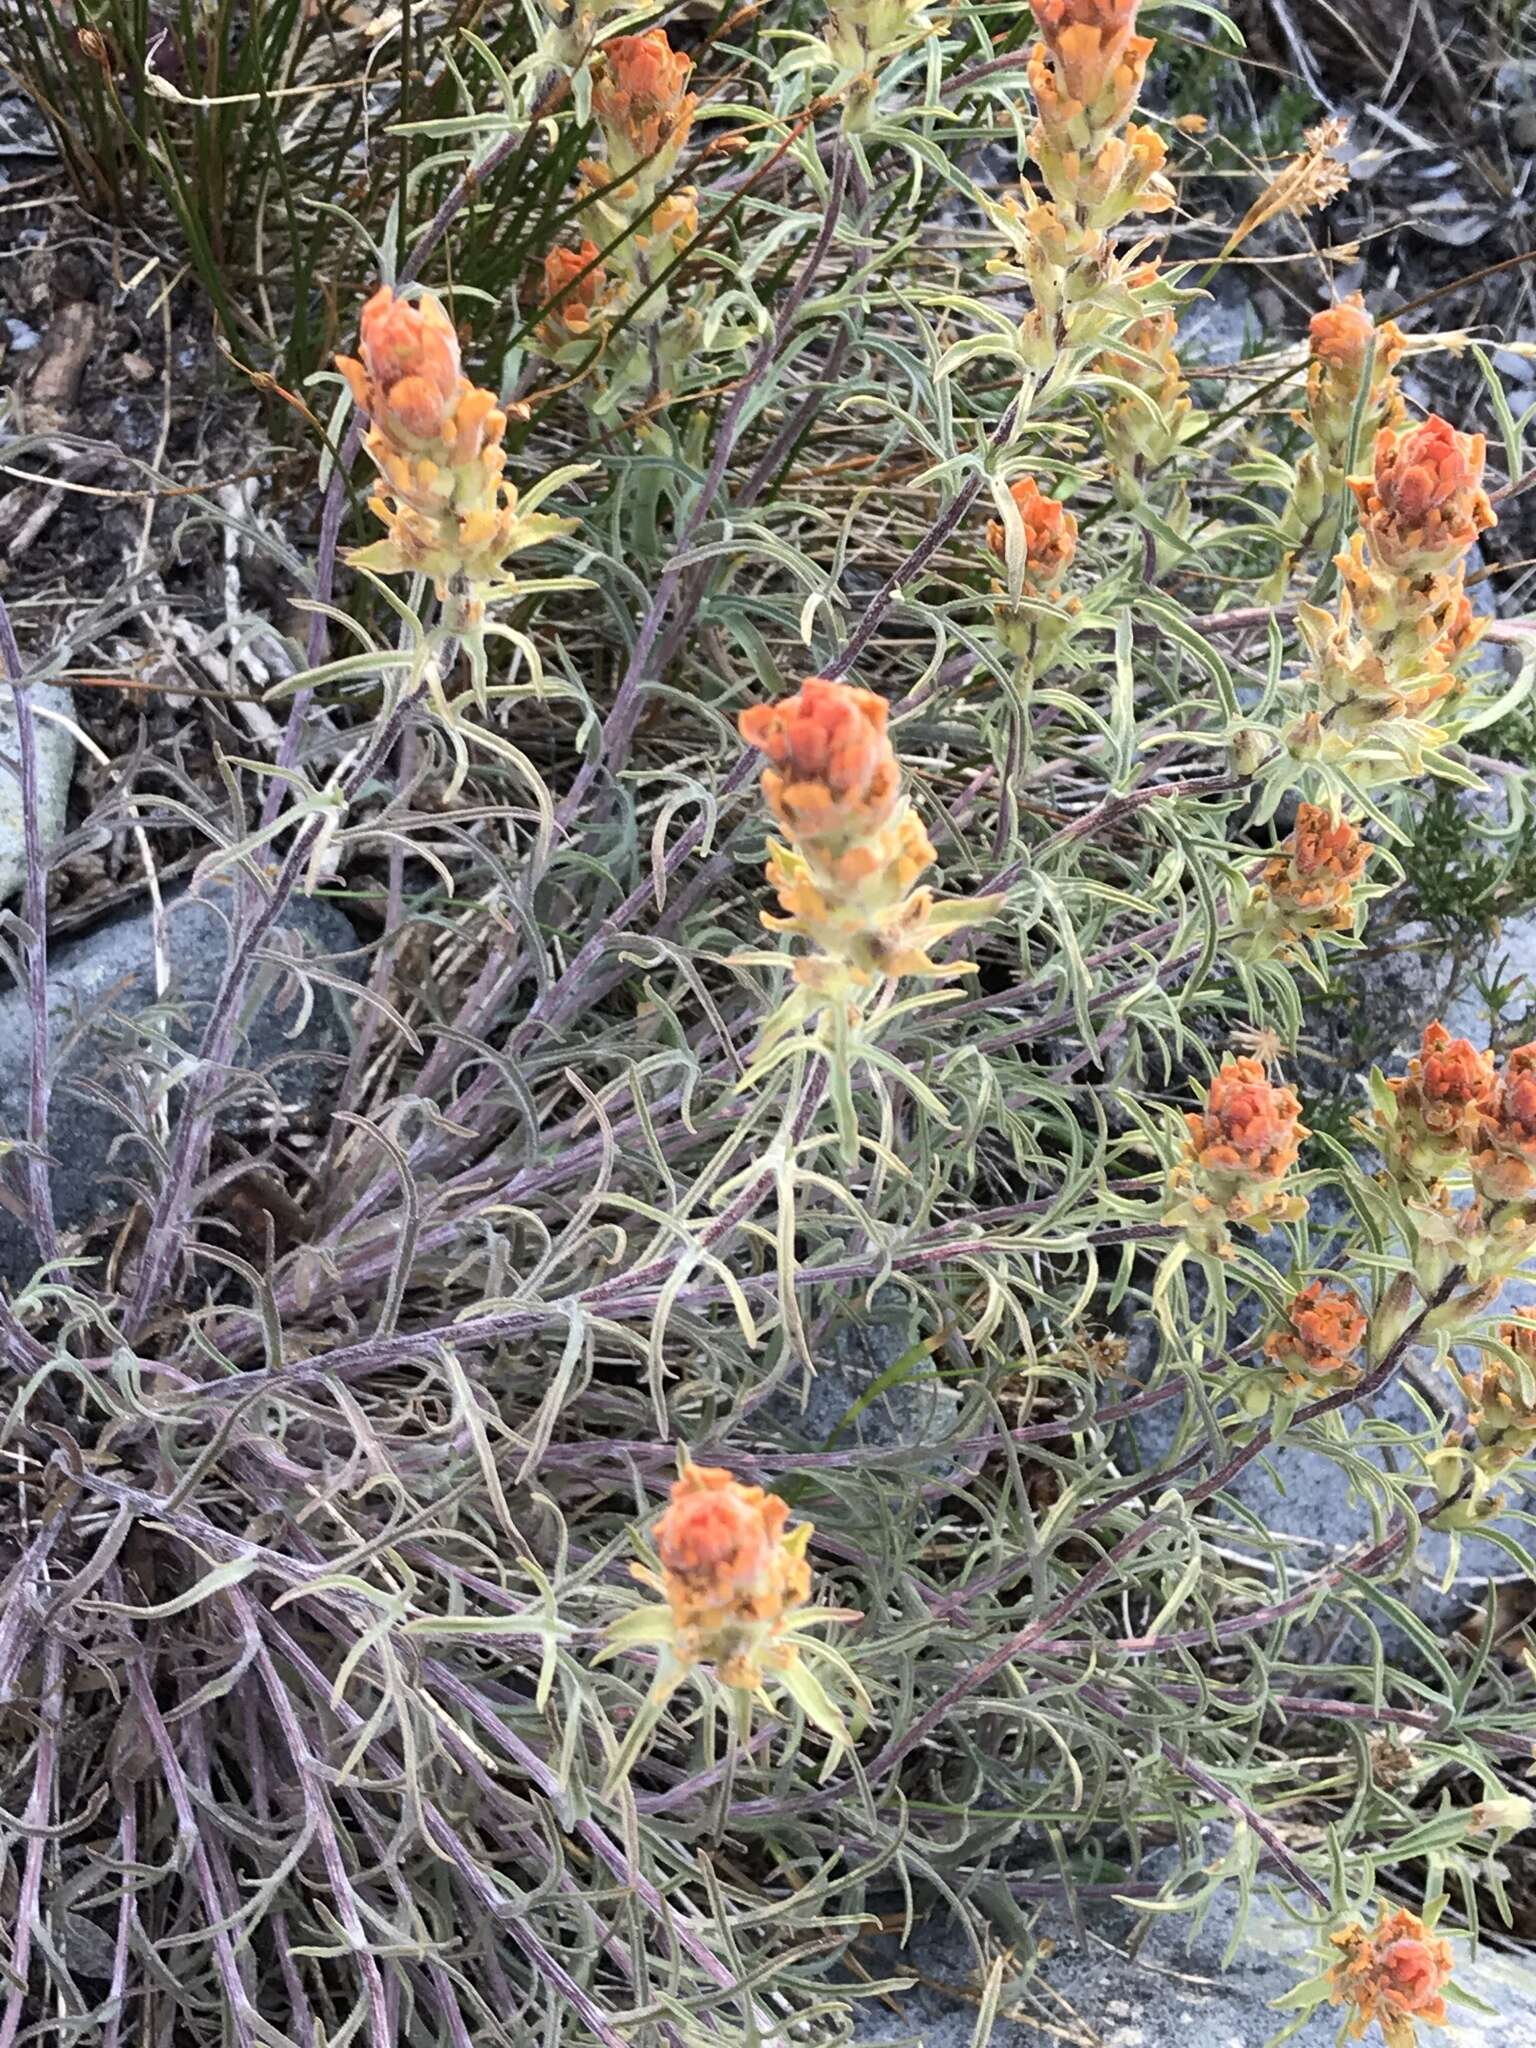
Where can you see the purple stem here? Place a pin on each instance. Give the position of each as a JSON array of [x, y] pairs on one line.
[[34, 951], [1197, 1774], [619, 727], [165, 1237]]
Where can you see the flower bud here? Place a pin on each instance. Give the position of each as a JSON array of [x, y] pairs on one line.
[[1320, 1346]]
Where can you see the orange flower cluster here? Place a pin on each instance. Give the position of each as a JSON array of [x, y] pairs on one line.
[[730, 1573], [847, 879], [1249, 1129], [1326, 1327], [1086, 75], [1440, 1106], [1394, 1975], [1307, 885], [1239, 1150], [1424, 504], [436, 440], [641, 102], [579, 282], [1503, 1163], [1050, 537], [1342, 339], [1404, 625], [832, 778]]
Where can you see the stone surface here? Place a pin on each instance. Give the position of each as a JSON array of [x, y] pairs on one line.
[[1312, 1500], [1176, 1994], [55, 764], [916, 1410], [106, 1022]]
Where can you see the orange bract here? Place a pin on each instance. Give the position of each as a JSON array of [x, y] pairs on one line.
[[1050, 536], [571, 319], [409, 376], [834, 774], [1249, 1127], [1327, 1326], [1504, 1162], [1394, 1975], [1449, 1083], [1313, 874], [725, 1561], [640, 98], [1339, 337], [1424, 503], [1087, 40]]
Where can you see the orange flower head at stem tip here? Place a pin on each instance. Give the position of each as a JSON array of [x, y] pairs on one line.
[[1313, 874], [409, 375], [1340, 336], [833, 774], [1050, 536], [723, 1552], [641, 101], [1326, 1327], [1446, 1093], [1424, 504], [1249, 1128], [1087, 39], [1504, 1162], [1394, 1975]]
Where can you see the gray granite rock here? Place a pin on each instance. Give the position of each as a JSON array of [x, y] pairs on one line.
[[915, 1410], [115, 1042], [1312, 1501], [1179, 1992], [55, 765]]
